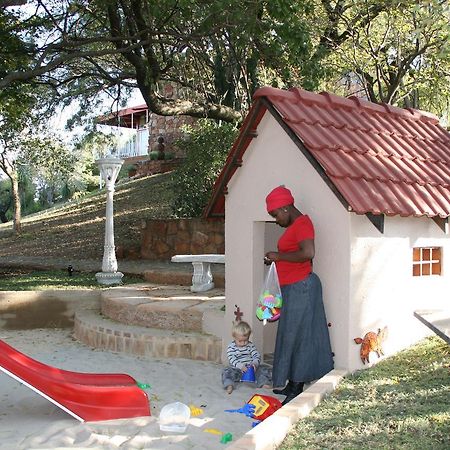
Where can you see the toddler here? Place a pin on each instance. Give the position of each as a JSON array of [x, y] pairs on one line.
[[242, 353]]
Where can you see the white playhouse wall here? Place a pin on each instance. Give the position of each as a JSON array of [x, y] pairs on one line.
[[383, 290], [270, 160]]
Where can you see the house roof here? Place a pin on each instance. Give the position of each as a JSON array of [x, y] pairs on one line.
[[127, 116], [378, 159]]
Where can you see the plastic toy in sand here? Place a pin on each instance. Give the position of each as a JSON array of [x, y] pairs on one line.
[[247, 409], [213, 431], [227, 437], [249, 375], [195, 411], [264, 406], [174, 417], [258, 407]]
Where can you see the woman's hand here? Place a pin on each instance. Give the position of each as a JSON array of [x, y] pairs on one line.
[[270, 257], [305, 252]]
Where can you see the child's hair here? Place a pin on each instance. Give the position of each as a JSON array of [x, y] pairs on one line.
[[241, 329]]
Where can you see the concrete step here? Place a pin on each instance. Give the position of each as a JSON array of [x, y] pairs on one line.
[[182, 278], [95, 330], [161, 306], [165, 277]]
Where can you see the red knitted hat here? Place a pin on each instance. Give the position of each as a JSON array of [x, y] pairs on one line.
[[279, 197]]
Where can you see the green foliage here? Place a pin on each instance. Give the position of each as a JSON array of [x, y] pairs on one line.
[[85, 174], [5, 200], [51, 163], [401, 403], [400, 57], [125, 170], [206, 147], [153, 155]]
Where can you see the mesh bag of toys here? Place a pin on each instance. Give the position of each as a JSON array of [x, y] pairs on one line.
[[269, 304]]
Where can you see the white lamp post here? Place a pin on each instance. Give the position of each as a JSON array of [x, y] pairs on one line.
[[109, 169]]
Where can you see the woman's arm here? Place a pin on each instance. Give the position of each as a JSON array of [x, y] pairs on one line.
[[305, 252]]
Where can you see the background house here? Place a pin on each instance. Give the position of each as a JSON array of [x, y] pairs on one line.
[[375, 180], [146, 128]]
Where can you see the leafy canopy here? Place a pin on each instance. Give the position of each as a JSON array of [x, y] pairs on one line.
[[206, 147]]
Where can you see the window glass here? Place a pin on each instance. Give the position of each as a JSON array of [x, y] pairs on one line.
[[426, 261]]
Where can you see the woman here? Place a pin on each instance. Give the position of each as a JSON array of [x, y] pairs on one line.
[[302, 349]]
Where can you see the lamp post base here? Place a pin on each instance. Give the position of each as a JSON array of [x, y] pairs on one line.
[[109, 278]]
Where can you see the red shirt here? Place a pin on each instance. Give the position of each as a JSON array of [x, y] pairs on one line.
[[300, 230]]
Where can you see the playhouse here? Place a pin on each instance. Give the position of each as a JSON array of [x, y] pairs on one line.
[[375, 180]]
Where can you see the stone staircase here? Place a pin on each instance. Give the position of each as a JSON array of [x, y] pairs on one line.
[[156, 320]]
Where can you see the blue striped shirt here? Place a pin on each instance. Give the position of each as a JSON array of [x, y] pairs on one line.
[[240, 357]]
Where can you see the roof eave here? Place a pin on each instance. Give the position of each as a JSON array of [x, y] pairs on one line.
[[233, 161]]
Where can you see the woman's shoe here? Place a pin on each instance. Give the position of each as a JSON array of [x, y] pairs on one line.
[[297, 389], [286, 390]]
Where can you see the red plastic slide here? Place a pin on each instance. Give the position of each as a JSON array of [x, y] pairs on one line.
[[85, 396]]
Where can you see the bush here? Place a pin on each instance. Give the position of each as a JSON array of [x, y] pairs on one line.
[[153, 155], [206, 147], [125, 171]]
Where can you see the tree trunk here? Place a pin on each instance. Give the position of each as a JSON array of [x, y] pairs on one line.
[[17, 226]]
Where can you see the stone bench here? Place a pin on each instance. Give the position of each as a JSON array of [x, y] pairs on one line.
[[202, 279]]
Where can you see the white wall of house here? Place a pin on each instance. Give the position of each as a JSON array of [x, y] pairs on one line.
[[383, 290], [366, 276], [273, 159]]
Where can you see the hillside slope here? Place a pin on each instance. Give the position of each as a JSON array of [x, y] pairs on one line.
[[76, 229]]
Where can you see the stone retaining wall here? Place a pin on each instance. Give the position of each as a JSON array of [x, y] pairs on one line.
[[93, 330], [161, 239], [152, 167]]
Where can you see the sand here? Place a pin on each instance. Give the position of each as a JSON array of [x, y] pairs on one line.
[[28, 421]]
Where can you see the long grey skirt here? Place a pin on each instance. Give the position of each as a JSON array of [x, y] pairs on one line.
[[302, 349]]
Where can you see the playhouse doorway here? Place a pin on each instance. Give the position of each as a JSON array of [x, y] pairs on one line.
[[272, 233]]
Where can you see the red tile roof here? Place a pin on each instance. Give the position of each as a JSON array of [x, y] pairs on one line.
[[377, 158], [127, 116]]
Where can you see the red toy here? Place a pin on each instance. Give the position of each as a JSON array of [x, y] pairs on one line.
[[265, 406]]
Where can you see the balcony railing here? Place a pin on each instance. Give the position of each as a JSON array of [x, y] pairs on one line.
[[135, 145]]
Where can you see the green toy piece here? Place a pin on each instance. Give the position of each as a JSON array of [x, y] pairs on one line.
[[227, 437], [143, 385]]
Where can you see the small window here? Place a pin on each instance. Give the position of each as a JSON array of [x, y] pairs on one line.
[[427, 261]]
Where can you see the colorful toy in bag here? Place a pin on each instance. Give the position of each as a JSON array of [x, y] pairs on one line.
[[269, 303]]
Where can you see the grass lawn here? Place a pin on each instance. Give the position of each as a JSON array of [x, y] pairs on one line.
[[76, 229], [401, 403], [26, 280]]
